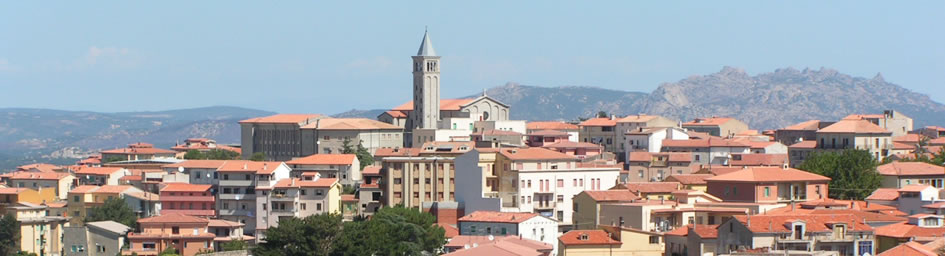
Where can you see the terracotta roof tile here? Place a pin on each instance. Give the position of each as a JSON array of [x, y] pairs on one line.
[[909, 248], [652, 187], [249, 166], [83, 189], [37, 175], [636, 118], [910, 169], [396, 113], [703, 143], [41, 167], [184, 187], [689, 179], [198, 164], [572, 144], [611, 195], [906, 230], [550, 125], [388, 152], [223, 223], [371, 170], [112, 189], [768, 174], [499, 217], [640, 156], [85, 170], [884, 194], [325, 159], [710, 121], [758, 159], [599, 121], [282, 119], [11, 191], [804, 144], [549, 133], [587, 237], [813, 223], [535, 154], [810, 125], [451, 232], [854, 126], [914, 188], [174, 218], [445, 104], [350, 124]]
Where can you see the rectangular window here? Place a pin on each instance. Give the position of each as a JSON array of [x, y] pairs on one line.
[[302, 191], [318, 206], [654, 239], [304, 207], [560, 183], [560, 198], [175, 230], [318, 192], [767, 191]]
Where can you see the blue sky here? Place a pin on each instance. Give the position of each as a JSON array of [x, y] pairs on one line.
[[317, 57]]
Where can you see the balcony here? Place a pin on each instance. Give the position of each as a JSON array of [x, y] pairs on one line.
[[237, 196], [237, 183], [187, 199], [490, 194], [235, 212], [543, 205]]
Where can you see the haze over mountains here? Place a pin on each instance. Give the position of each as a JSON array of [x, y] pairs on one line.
[[765, 101]]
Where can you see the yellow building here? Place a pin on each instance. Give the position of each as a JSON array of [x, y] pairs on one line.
[[39, 233], [9, 196], [587, 205], [690, 181], [58, 182], [85, 197], [610, 241]]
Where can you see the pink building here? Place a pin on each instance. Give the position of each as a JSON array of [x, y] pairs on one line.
[[768, 185], [187, 199]]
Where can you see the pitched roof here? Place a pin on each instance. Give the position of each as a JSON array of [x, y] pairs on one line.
[[396, 114], [249, 166], [599, 121], [535, 154], [371, 170], [85, 170], [11, 191], [906, 230], [223, 223], [810, 125], [549, 133], [325, 159], [611, 195], [909, 248], [908, 138], [199, 164], [640, 156], [652, 187], [426, 46], [703, 143], [83, 189], [768, 174], [758, 159], [910, 169], [710, 121], [282, 119], [862, 116], [112, 189], [854, 126], [138, 149], [386, 152], [814, 223], [571, 144], [636, 118], [41, 167], [349, 124], [804, 144], [184, 187], [884, 194], [914, 188], [173, 218], [110, 226], [587, 237], [37, 175], [689, 179], [499, 217], [550, 125], [451, 232], [445, 104]]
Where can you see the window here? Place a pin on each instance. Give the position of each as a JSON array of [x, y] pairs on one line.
[[226, 177], [472, 229], [697, 157], [318, 192], [302, 191], [426, 181], [397, 181], [767, 191], [75, 199], [529, 183], [327, 137], [264, 206], [304, 206], [175, 230], [560, 183], [640, 173], [654, 239], [560, 198], [504, 231]]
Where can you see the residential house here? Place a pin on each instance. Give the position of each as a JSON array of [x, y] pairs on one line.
[[759, 159], [692, 240], [198, 171], [913, 248], [716, 126], [415, 176], [84, 198], [236, 194], [185, 233], [601, 131], [637, 123], [691, 181], [328, 135], [855, 134], [539, 138], [707, 151], [525, 225], [610, 240], [890, 120], [369, 193], [587, 205], [278, 137], [188, 199], [495, 246], [345, 167], [768, 185], [652, 190], [651, 139], [136, 151], [844, 233], [39, 233], [803, 131], [59, 182], [688, 207], [900, 174], [798, 152], [582, 150], [98, 238], [913, 198], [497, 138], [932, 132], [100, 176], [227, 231], [922, 227], [648, 166], [571, 129], [294, 197], [11, 196]]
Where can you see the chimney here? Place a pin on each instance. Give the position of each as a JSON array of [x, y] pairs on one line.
[[792, 205]]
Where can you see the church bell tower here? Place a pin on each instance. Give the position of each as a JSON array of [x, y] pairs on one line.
[[426, 86]]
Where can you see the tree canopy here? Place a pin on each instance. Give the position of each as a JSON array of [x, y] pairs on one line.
[[9, 235], [392, 231], [114, 209], [852, 172], [258, 157], [364, 156], [213, 154]]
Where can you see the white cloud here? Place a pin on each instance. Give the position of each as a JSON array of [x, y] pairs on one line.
[[111, 57]]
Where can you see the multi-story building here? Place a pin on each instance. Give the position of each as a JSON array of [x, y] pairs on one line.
[[59, 182], [236, 192], [284, 136], [645, 139], [202, 145], [639, 122], [890, 120], [571, 129], [901, 174], [85, 197], [932, 132], [547, 137], [610, 241], [369, 193], [843, 233], [99, 238], [294, 197], [345, 167], [768, 185], [39, 233], [691, 240], [855, 134], [279, 136], [186, 234], [198, 171], [226, 231], [707, 151], [188, 199], [100, 176], [415, 176], [601, 131], [11, 196], [716, 126], [803, 131], [923, 227], [525, 225], [647, 166], [798, 152], [688, 207], [587, 205], [136, 151]]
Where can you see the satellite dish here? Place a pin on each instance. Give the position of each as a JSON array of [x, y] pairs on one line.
[[491, 237], [475, 245], [180, 169], [466, 246]]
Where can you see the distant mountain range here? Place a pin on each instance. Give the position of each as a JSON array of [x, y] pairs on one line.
[[764, 101]]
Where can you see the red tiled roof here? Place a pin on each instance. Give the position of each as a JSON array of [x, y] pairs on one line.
[[41, 167], [884, 194], [636, 118], [593, 237], [37, 175], [249, 166], [371, 170], [348, 198], [703, 143], [908, 138], [599, 121], [349, 124], [223, 223], [909, 248], [914, 188], [906, 230], [854, 126], [319, 183], [396, 114], [550, 125], [112, 189], [184, 187], [138, 149], [173, 218], [862, 116], [813, 223], [198, 164], [652, 187], [810, 125], [85, 170], [451, 232], [499, 217], [689, 179], [387, 152], [611, 195], [571, 144], [282, 119], [711, 121], [11, 191], [325, 159], [640, 156], [768, 174], [549, 133], [705, 231], [445, 104], [535, 154], [804, 144], [759, 159], [902, 146], [83, 189], [910, 169]]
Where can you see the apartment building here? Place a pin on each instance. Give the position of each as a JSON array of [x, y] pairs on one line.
[[369, 195], [279, 136], [650, 139], [198, 171], [186, 234], [637, 123], [587, 205], [60, 182], [11, 196], [768, 185], [843, 233], [328, 135], [707, 151], [525, 225], [924, 227], [136, 151], [345, 167], [426, 174], [890, 120], [85, 197], [692, 240], [188, 199], [227, 231], [100, 176], [39, 232], [901, 174], [647, 166], [294, 197], [855, 134], [716, 126], [601, 131], [236, 192], [610, 240]]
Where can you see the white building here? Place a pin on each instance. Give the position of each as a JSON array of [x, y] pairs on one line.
[[527, 225], [651, 139], [707, 151]]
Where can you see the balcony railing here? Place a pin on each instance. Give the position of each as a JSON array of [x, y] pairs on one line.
[[544, 205]]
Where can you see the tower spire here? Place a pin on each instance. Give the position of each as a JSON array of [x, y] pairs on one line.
[[426, 47]]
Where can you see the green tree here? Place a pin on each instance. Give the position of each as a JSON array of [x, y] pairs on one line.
[[9, 237], [852, 172], [193, 154], [234, 245], [364, 157], [170, 251], [403, 231], [213, 154], [258, 157], [24, 253], [114, 209], [312, 235], [346, 147], [113, 159]]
